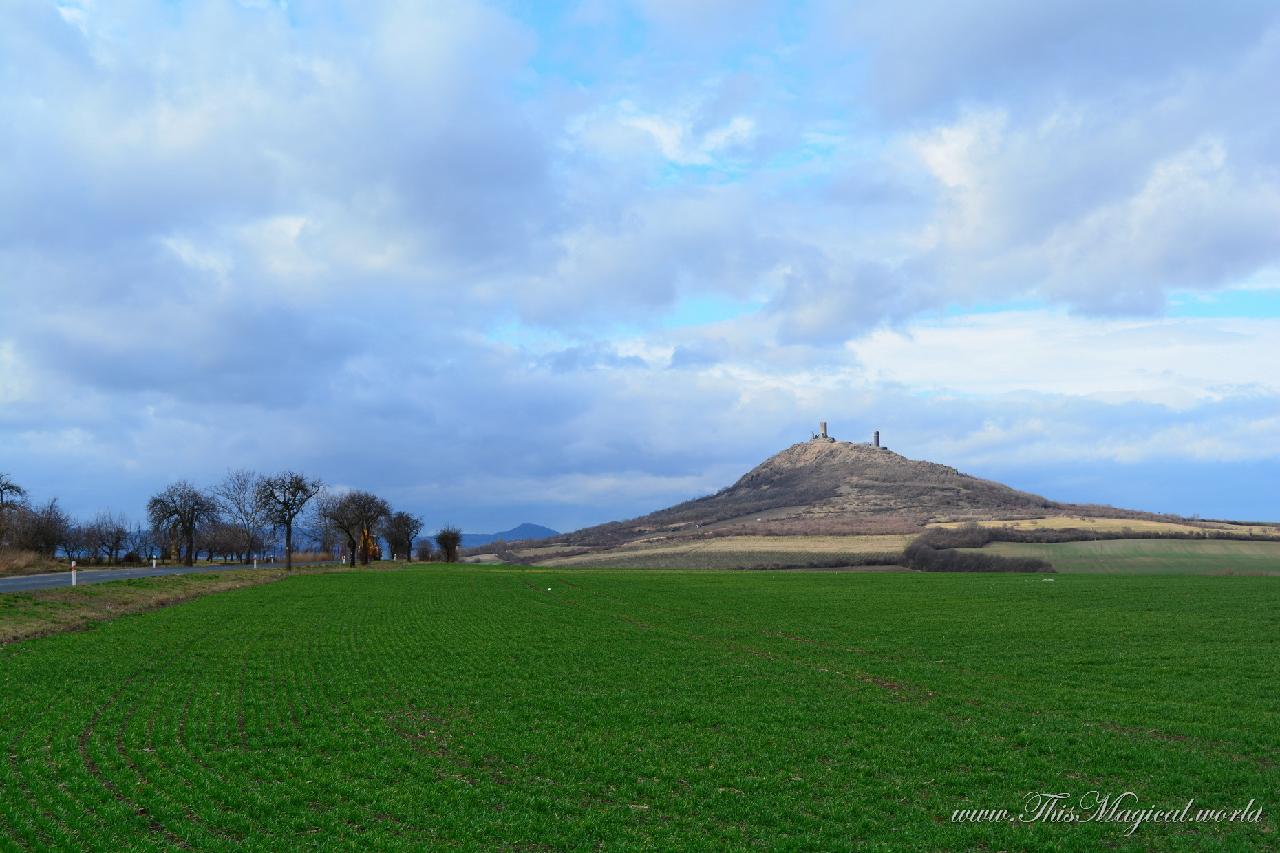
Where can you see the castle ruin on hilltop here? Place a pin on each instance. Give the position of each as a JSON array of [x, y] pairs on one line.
[[821, 435]]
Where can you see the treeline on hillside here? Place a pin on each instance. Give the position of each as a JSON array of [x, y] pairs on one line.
[[975, 536], [246, 516], [935, 551]]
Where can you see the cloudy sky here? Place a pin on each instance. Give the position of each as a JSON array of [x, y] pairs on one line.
[[569, 262]]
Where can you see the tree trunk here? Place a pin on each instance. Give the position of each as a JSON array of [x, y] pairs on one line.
[[288, 547], [190, 558]]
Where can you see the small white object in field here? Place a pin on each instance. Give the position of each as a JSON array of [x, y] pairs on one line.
[[548, 589], [1047, 580]]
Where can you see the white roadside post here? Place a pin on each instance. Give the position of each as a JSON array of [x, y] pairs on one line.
[[73, 572], [153, 562]]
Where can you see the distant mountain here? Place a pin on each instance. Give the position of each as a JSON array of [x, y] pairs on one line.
[[522, 532]]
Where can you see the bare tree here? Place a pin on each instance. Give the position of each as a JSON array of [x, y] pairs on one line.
[[9, 490], [331, 523], [283, 498], [142, 542], [317, 527], [425, 551], [182, 508], [357, 516], [449, 538], [243, 508], [106, 536], [220, 540], [50, 526], [75, 543], [400, 529], [11, 494]]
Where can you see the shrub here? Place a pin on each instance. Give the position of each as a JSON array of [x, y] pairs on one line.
[[924, 558], [967, 536], [449, 538]]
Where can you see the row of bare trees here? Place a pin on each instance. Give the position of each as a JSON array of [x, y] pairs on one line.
[[246, 508], [244, 516], [361, 518], [46, 529]]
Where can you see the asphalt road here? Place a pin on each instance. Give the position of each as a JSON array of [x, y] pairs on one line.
[[25, 583]]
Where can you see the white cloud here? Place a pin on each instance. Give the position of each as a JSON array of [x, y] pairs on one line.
[[16, 385], [1175, 362], [1194, 222], [679, 143], [682, 136]]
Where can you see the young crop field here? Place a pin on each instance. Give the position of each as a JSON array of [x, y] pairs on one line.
[[1152, 556], [514, 708]]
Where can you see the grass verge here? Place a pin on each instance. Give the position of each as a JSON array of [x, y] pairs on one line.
[[37, 613]]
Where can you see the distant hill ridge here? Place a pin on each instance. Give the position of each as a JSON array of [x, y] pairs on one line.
[[521, 532], [828, 486]]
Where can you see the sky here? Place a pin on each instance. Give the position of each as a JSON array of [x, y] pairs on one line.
[[568, 262]]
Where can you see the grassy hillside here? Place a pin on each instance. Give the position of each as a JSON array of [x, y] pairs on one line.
[[745, 552], [828, 487], [573, 709], [1152, 556]]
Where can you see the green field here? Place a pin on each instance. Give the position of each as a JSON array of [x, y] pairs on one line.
[[1152, 556], [505, 708]]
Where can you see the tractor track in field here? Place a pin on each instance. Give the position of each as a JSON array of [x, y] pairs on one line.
[[61, 785], [164, 767], [28, 794], [182, 779], [210, 773], [145, 781], [90, 732], [91, 765]]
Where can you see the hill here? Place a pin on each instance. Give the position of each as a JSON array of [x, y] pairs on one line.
[[520, 533], [823, 486]]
